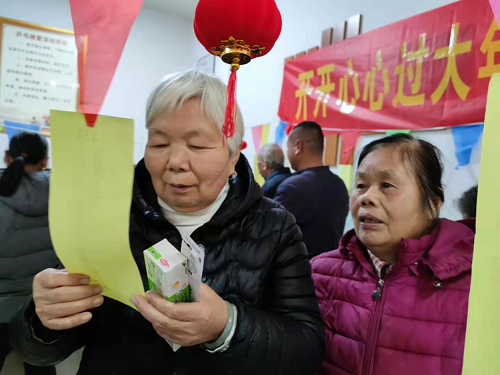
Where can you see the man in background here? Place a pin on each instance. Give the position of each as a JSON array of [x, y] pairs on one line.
[[313, 194], [271, 162]]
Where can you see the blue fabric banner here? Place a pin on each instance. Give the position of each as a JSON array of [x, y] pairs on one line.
[[465, 139], [280, 132], [12, 128]]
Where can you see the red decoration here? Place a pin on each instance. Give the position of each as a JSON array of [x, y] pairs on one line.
[[369, 83], [105, 26], [237, 31], [349, 141], [257, 137], [257, 22], [289, 129], [91, 118], [229, 127]]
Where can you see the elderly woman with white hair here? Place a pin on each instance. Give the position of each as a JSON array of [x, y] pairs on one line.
[[257, 312]]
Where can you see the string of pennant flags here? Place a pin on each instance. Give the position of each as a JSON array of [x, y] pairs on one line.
[[12, 128], [465, 139]]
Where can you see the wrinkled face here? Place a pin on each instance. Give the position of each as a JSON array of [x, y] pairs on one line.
[[385, 203], [187, 159]]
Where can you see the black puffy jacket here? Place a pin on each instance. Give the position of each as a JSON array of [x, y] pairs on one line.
[[255, 258]]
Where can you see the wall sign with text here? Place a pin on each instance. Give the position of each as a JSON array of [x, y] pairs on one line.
[[38, 72]]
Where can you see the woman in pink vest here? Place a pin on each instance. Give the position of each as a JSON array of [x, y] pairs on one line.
[[394, 296]]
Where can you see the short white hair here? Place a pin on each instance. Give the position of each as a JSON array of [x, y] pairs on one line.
[[177, 88], [273, 155]]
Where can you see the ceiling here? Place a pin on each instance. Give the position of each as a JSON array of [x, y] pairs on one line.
[[183, 8]]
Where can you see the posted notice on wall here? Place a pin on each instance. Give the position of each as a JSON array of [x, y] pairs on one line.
[[39, 72]]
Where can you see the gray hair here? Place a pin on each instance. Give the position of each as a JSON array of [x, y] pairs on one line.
[[178, 88], [273, 155]]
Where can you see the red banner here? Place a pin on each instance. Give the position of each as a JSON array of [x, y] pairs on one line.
[[431, 70]]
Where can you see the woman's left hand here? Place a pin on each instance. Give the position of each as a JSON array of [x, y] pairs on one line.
[[186, 324]]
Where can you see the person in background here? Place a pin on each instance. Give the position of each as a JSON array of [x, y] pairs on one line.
[[468, 202], [25, 245], [271, 162], [313, 194], [256, 311], [394, 296]]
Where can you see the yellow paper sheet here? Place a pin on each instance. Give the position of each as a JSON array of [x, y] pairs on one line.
[[90, 197], [483, 326], [346, 174]]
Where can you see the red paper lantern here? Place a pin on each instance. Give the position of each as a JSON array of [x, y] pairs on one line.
[[237, 31]]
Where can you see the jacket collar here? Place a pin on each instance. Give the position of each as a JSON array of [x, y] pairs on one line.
[[318, 168], [282, 170], [446, 249], [243, 192]]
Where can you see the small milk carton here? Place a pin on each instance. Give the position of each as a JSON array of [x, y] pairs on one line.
[[167, 272]]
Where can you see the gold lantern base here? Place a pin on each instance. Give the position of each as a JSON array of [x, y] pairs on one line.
[[236, 52]]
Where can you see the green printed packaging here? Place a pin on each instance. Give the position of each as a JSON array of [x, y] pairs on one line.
[[167, 272]]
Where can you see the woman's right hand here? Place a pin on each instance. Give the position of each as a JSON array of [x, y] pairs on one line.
[[62, 299]]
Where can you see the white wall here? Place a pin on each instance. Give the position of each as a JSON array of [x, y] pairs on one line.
[[158, 44]]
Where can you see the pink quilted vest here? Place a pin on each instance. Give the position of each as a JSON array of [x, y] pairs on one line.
[[417, 326]]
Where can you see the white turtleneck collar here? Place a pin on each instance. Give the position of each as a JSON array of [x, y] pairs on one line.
[[188, 223]]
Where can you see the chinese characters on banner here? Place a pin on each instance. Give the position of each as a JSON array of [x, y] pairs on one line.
[[431, 70], [38, 73]]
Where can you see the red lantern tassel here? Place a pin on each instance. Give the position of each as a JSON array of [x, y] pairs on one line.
[[229, 127]]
